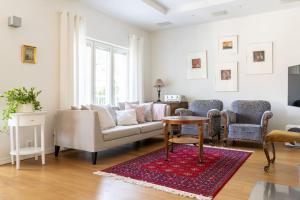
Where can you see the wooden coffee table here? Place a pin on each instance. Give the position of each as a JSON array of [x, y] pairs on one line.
[[180, 120]]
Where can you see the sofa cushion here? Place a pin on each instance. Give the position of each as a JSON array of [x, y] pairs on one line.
[[139, 109], [243, 131], [122, 104], [250, 112], [201, 107], [149, 126], [106, 119], [148, 111], [158, 111], [126, 117], [120, 132]]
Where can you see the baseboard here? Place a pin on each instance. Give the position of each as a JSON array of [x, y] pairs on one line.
[[6, 160]]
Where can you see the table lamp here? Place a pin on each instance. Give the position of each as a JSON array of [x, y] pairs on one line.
[[158, 85]]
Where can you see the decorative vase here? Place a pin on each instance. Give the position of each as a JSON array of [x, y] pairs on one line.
[[25, 108]]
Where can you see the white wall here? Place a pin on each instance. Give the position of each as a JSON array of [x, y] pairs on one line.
[[170, 48], [40, 28]]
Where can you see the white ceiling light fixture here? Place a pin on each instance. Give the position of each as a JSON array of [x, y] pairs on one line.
[[157, 6], [161, 24], [219, 13], [197, 5]]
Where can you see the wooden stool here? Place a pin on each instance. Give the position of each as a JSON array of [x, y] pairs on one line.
[[278, 136]]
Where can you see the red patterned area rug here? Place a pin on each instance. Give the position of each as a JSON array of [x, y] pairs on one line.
[[182, 175]]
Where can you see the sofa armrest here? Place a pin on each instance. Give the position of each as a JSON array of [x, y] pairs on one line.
[[78, 129], [183, 112]]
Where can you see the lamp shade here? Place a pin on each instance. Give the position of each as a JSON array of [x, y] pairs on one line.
[[159, 83]]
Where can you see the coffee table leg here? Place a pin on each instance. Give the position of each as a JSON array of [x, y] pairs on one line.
[[172, 135], [166, 140], [200, 133]]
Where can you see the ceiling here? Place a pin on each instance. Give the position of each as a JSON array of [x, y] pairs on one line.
[[160, 14]]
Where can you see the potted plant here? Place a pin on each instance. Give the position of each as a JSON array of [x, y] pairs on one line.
[[20, 100]]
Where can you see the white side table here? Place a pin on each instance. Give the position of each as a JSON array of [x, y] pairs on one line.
[[35, 120]]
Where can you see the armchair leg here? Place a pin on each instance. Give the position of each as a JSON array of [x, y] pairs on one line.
[[56, 152], [94, 158], [211, 140], [225, 143]]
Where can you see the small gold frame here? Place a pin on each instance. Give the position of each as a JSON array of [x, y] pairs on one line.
[[29, 54]]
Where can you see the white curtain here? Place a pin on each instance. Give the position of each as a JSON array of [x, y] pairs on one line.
[[136, 85], [74, 73]]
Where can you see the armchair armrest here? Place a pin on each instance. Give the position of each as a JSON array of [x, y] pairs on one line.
[[265, 117], [183, 112], [78, 129], [214, 122], [213, 113], [265, 121], [228, 117]]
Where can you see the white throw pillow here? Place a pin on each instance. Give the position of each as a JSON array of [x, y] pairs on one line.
[[148, 111], [126, 117], [105, 118], [139, 109], [122, 104]]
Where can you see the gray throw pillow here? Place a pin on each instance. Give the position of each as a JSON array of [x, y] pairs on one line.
[[75, 108]]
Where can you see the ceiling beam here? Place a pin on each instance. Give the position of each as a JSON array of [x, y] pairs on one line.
[[157, 6]]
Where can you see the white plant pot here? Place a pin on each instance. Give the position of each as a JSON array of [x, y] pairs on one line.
[[25, 108]]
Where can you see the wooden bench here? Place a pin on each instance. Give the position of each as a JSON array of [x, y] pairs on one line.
[[278, 136]]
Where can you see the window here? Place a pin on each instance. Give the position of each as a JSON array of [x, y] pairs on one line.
[[110, 72]]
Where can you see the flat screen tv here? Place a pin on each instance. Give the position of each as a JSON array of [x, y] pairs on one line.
[[294, 86]]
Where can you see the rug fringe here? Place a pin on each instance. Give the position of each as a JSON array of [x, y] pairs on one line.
[[151, 185], [226, 148]]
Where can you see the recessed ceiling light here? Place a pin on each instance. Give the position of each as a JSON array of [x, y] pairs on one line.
[[164, 23], [219, 13]]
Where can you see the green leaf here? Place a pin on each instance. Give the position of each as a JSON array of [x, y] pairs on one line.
[[16, 97]]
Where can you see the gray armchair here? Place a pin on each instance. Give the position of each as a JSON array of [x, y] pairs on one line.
[[203, 108], [248, 121]]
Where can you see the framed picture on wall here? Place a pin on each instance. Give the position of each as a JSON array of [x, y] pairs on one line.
[[228, 45], [226, 78], [260, 58], [197, 65], [28, 54]]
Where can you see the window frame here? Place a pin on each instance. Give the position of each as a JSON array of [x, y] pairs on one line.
[[112, 49]]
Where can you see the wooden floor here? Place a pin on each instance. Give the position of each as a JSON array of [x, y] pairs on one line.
[[71, 176]]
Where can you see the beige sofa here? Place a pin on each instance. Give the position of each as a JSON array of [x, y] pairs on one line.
[[81, 130]]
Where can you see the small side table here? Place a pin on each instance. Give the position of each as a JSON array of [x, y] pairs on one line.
[[180, 120], [35, 120], [176, 104]]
